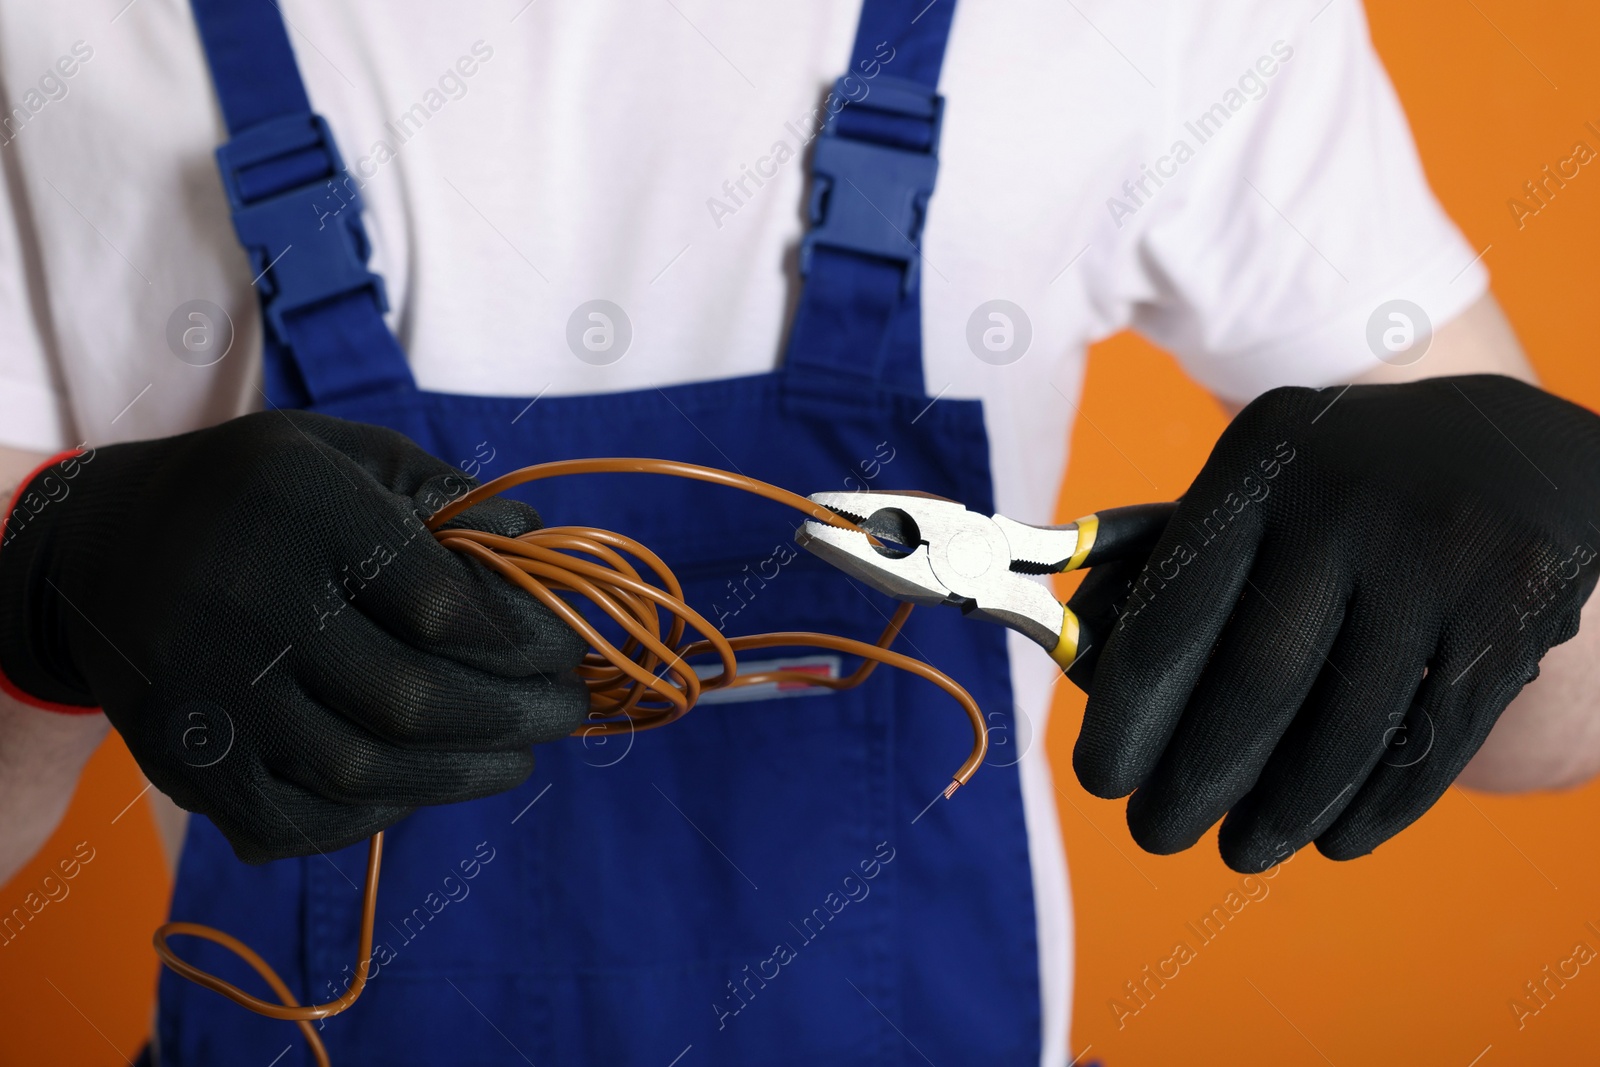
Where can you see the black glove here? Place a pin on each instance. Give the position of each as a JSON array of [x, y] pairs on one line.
[[1352, 590], [283, 645]]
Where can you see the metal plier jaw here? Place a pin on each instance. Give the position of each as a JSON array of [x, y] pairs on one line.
[[935, 551]]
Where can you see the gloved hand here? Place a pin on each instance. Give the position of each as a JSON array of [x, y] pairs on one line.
[[283, 645], [1350, 593]]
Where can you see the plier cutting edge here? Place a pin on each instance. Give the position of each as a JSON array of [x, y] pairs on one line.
[[930, 550]]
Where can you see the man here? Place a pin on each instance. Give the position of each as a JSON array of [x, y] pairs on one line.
[[585, 223]]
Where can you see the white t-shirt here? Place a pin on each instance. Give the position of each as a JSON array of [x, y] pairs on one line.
[[1233, 178]]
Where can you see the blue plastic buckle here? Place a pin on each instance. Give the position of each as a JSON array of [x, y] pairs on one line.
[[306, 242], [868, 197]]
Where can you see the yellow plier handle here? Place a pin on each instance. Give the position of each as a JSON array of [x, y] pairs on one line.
[[1103, 537]]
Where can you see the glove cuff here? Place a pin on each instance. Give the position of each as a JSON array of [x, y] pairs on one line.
[[24, 528]]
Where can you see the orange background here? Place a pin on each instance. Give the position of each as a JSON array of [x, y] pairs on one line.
[[1408, 956]]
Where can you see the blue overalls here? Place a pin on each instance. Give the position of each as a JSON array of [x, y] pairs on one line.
[[764, 882]]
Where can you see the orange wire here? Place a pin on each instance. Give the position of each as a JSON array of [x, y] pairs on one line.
[[641, 685]]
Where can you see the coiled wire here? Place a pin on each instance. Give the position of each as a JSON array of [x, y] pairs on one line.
[[643, 684]]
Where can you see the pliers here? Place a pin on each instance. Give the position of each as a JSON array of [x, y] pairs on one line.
[[930, 550]]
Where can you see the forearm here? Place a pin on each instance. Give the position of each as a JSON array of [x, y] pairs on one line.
[[41, 757], [1549, 737]]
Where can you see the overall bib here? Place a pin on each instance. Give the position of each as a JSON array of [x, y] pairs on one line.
[[766, 881]]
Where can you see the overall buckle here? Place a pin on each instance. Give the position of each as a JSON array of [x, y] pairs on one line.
[[298, 215], [872, 198]]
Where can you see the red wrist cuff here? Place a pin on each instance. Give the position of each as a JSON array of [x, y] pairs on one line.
[[8, 687]]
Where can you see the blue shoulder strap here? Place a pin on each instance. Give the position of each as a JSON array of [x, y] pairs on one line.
[[872, 172], [297, 212]]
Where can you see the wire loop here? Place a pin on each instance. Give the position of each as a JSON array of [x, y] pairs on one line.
[[645, 683]]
